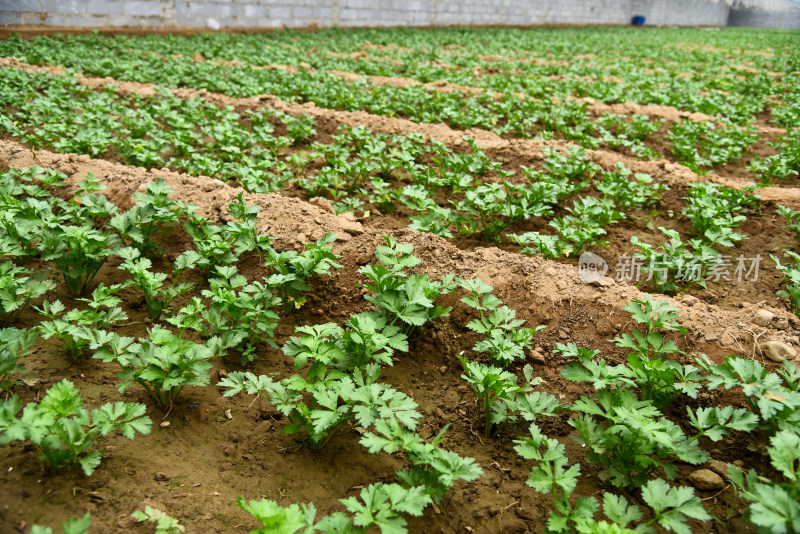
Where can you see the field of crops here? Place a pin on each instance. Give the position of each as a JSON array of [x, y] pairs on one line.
[[346, 281]]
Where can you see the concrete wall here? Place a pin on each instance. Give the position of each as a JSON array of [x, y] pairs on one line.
[[770, 14], [324, 13]]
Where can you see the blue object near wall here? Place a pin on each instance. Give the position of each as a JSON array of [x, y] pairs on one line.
[[638, 20]]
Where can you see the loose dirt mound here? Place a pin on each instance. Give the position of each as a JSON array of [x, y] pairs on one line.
[[216, 449], [528, 150], [665, 112], [294, 221], [213, 449]]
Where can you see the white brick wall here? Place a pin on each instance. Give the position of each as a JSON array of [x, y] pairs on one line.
[[326, 13]]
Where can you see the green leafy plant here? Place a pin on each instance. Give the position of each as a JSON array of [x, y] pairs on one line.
[[367, 338], [582, 228], [699, 145], [63, 431], [73, 525], [773, 396], [715, 211], [505, 341], [164, 364], [499, 397], [18, 286], [213, 245], [629, 190], [490, 208], [78, 329], [242, 230], [716, 422], [431, 467], [400, 296], [671, 507], [165, 524], [334, 398], [675, 265], [549, 246], [774, 505], [791, 275], [241, 308], [658, 378], [86, 205], [783, 165], [380, 505], [630, 439], [14, 345], [22, 223], [792, 218], [154, 216], [320, 346], [377, 506], [290, 271], [553, 474], [299, 128], [157, 297], [78, 252]]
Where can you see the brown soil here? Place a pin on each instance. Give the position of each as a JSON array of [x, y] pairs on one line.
[[390, 47], [524, 149], [197, 466], [669, 113], [441, 132], [630, 108]]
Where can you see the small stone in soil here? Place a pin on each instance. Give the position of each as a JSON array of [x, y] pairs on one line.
[[603, 282], [689, 300], [763, 317], [161, 477], [719, 467], [778, 351], [706, 479]]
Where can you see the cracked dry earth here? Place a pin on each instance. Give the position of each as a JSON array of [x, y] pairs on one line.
[[215, 449]]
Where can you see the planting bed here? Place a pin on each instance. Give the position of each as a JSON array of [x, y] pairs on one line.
[[281, 166]]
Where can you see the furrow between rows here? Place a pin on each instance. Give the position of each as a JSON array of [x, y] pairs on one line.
[[553, 291], [494, 145]]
